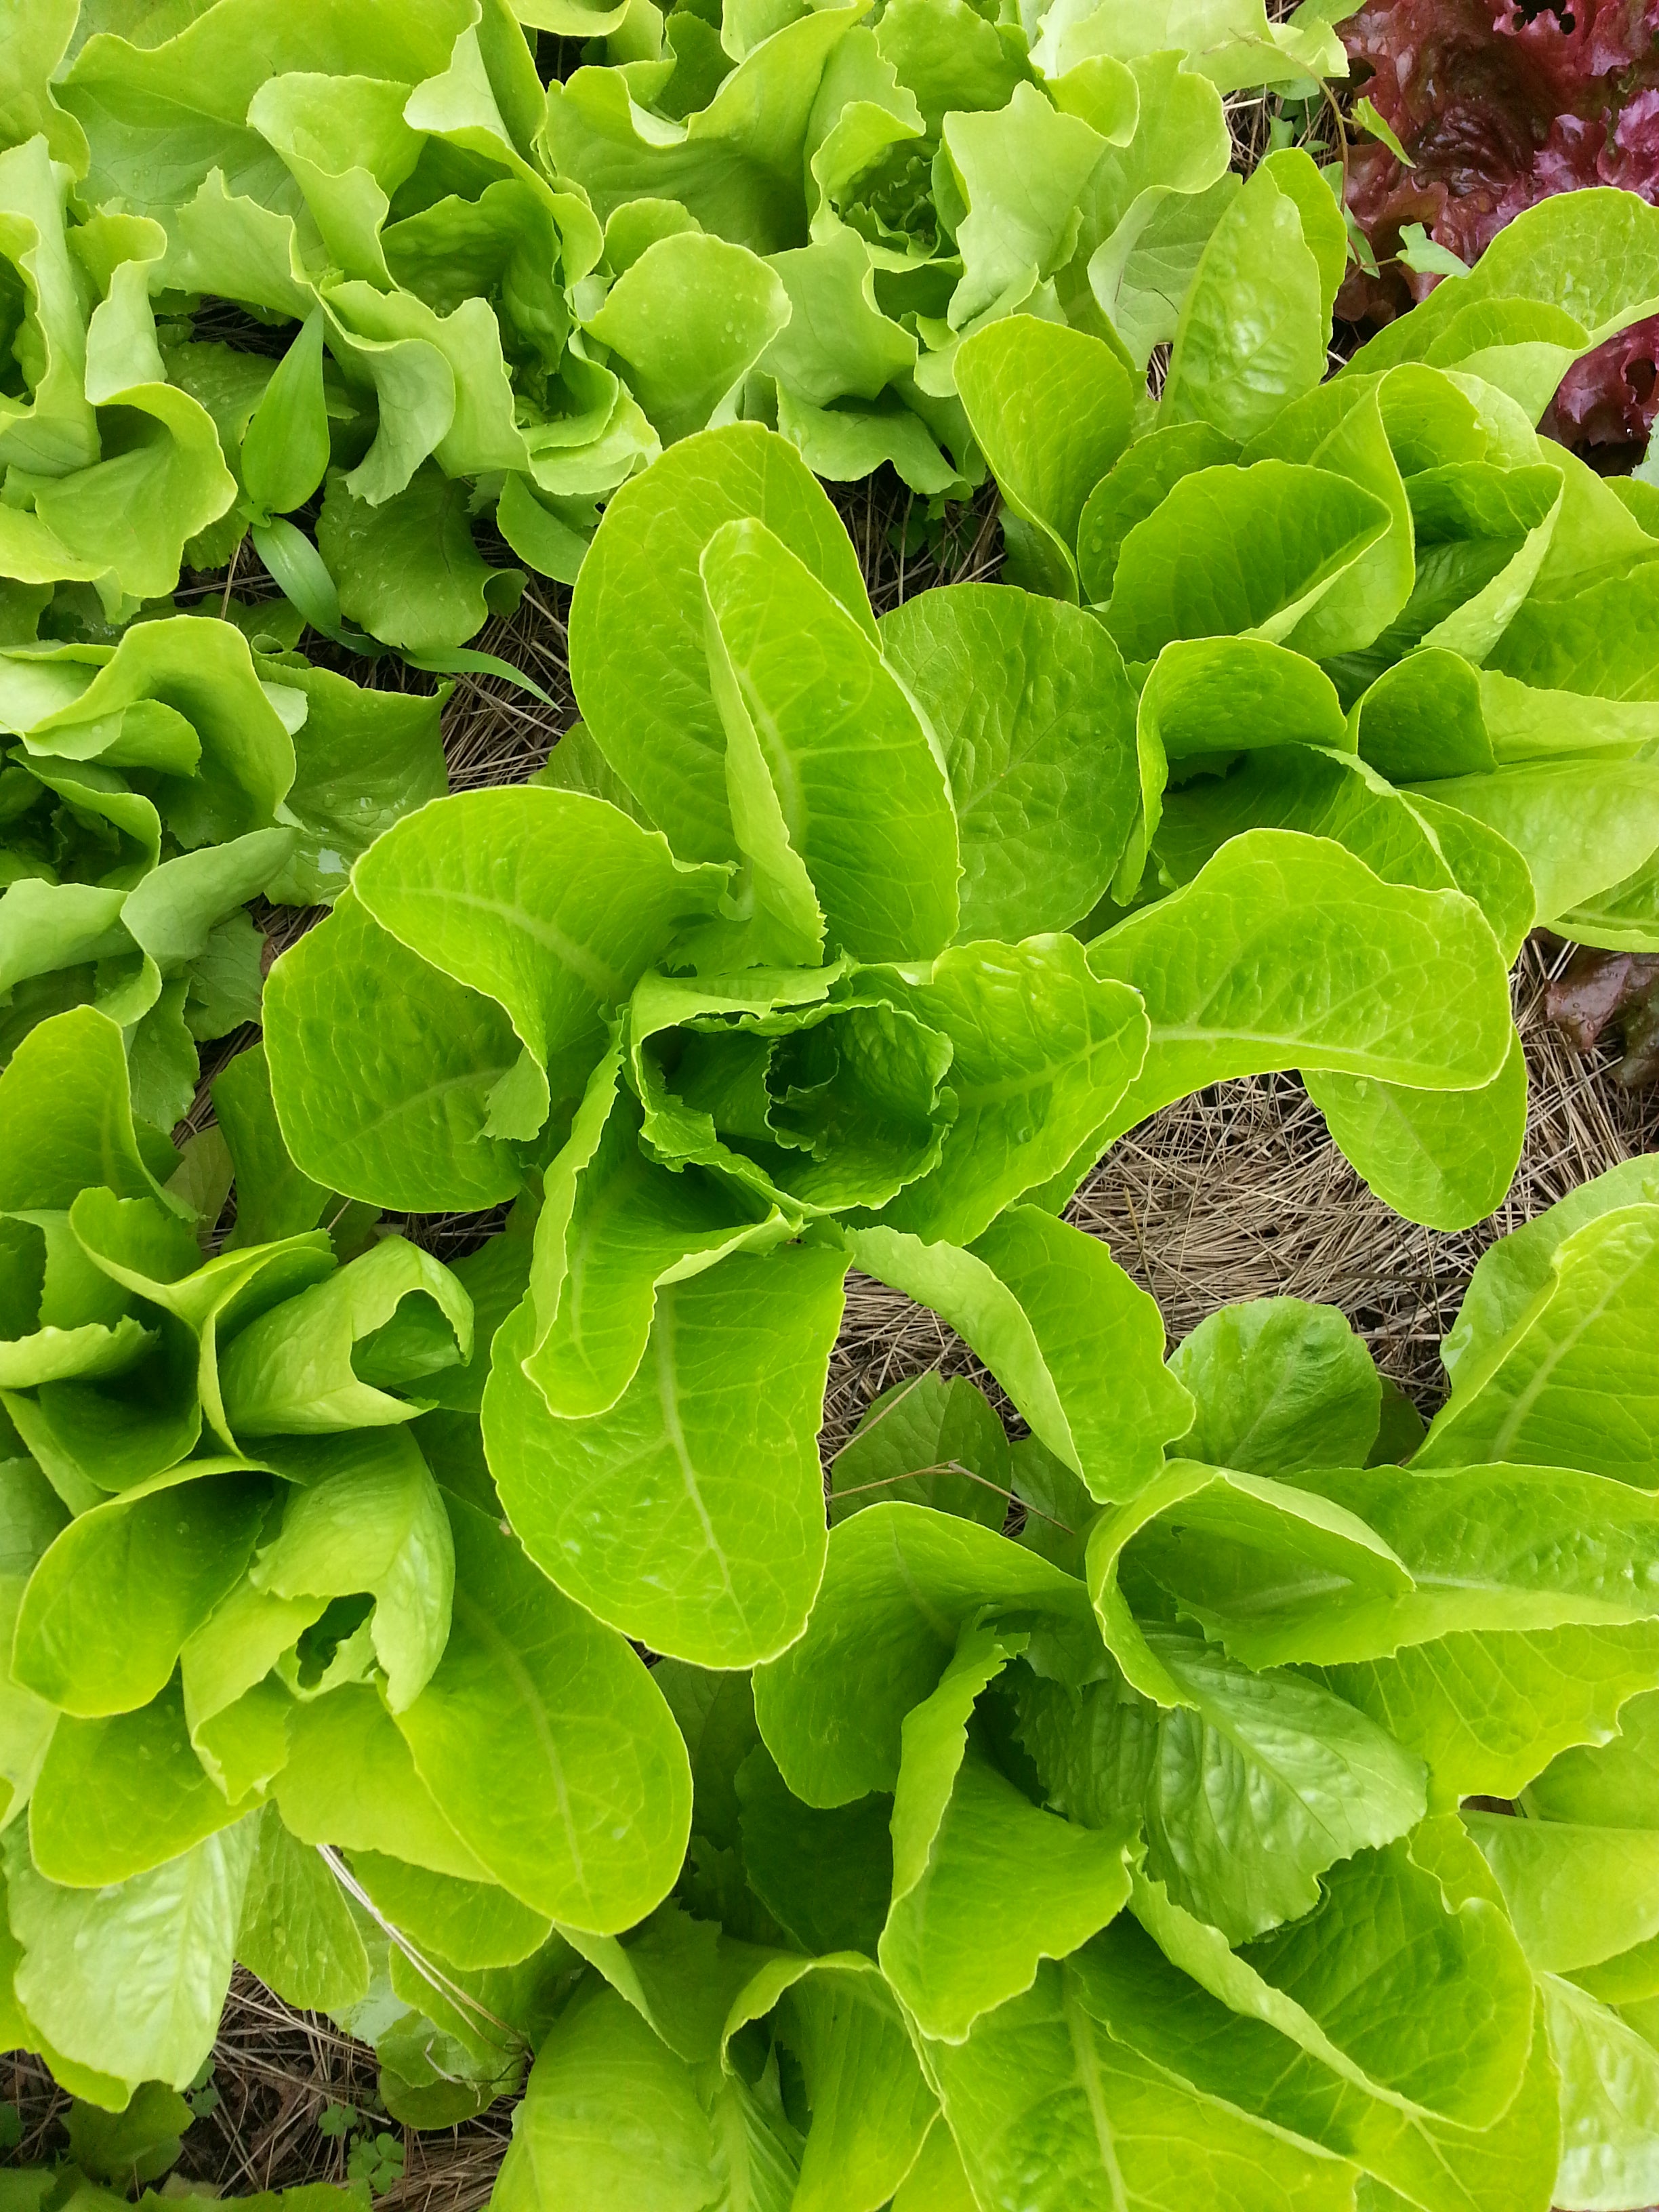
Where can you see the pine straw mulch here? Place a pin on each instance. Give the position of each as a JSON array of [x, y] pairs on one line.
[[278, 2073], [1236, 1193]]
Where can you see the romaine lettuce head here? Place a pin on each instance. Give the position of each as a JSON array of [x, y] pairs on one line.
[[153, 788], [1134, 1849], [757, 984]]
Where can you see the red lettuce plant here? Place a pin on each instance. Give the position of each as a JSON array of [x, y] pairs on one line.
[[1498, 104]]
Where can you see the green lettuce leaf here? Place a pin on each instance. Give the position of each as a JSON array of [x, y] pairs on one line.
[[1043, 2099], [1252, 333], [1276, 537], [985, 1884], [1473, 2004], [899, 1584], [297, 1932], [1611, 1785], [128, 1981], [155, 1799], [824, 750], [649, 705], [1037, 720], [1609, 2072], [928, 1442], [1047, 462], [109, 1608], [532, 1685], [1131, 1988], [379, 1526], [1577, 1896], [1278, 1385], [714, 1442], [1565, 1381], [1029, 1298], [688, 318], [1217, 1005]]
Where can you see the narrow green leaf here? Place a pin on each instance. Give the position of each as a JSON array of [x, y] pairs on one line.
[[823, 746], [636, 618], [285, 446]]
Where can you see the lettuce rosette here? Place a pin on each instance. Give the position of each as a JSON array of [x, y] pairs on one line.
[[1281, 1833], [1378, 607], [148, 790], [108, 468], [369, 182], [244, 1619], [778, 972]]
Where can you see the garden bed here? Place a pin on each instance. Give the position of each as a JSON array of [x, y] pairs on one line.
[[1237, 1192]]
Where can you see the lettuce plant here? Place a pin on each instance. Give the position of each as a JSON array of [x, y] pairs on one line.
[[109, 468], [243, 1619], [1282, 1832], [148, 790], [1495, 107], [783, 968], [499, 298], [1377, 608]]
